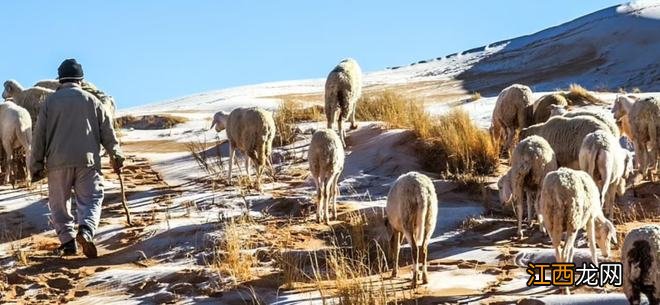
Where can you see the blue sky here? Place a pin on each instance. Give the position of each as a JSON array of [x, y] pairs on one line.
[[148, 51]]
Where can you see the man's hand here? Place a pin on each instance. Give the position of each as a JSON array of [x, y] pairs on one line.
[[38, 175], [117, 163]]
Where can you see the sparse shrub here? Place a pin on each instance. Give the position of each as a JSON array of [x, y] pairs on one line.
[[232, 256], [211, 164], [474, 96], [578, 95], [391, 108], [290, 113], [455, 145], [449, 144], [149, 122]]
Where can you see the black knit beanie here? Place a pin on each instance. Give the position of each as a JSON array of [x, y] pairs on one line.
[[70, 69]]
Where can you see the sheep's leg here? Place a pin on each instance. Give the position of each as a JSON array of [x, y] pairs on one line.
[[569, 247], [424, 261], [319, 198], [352, 118], [395, 244], [327, 193], [519, 211], [609, 202], [335, 192], [531, 199], [591, 236], [415, 256], [510, 134], [8, 162], [232, 155], [640, 156], [342, 133]]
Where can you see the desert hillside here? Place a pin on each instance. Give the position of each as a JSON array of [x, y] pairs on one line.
[[198, 238]]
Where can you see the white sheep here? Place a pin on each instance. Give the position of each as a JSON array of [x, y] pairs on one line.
[[602, 116], [640, 256], [106, 100], [608, 164], [251, 131], [569, 202], [565, 136], [644, 119], [412, 210], [15, 132], [30, 99], [622, 105], [513, 111], [343, 88], [532, 159], [326, 162]]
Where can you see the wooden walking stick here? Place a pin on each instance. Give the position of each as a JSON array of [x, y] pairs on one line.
[[123, 197]]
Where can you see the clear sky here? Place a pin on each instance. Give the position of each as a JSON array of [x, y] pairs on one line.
[[148, 51]]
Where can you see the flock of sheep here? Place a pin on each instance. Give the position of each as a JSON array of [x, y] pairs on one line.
[[18, 114], [567, 168], [570, 166]]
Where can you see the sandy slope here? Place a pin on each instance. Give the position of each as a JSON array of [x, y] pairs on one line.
[[180, 209]]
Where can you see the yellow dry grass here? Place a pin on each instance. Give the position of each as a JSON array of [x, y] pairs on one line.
[[288, 114], [449, 144]]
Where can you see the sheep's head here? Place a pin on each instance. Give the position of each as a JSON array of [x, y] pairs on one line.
[[11, 89], [504, 187], [605, 236], [621, 105], [556, 110], [220, 121]]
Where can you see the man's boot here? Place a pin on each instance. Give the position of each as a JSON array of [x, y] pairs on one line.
[[86, 240], [67, 249]]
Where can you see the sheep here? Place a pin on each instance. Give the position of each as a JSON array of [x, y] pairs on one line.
[[513, 111], [640, 256], [622, 105], [644, 119], [565, 136], [602, 116], [412, 209], [608, 164], [569, 202], [543, 107], [251, 131], [30, 99], [15, 132], [532, 159], [326, 162], [343, 88], [106, 100]]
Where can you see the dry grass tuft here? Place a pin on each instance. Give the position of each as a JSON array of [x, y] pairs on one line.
[[395, 110], [454, 145], [288, 115], [354, 269], [211, 164], [450, 144], [149, 122], [578, 95], [232, 256]]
